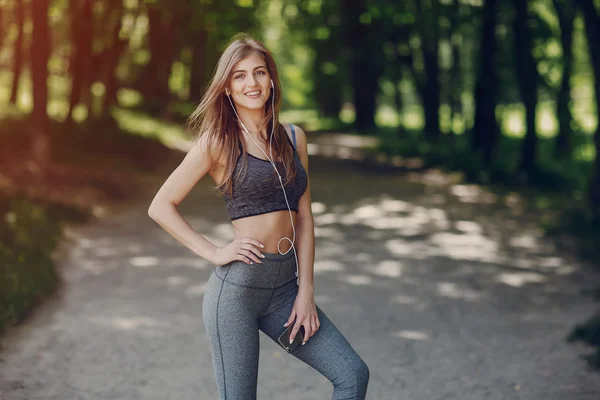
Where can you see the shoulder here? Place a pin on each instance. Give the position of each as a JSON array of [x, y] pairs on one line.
[[299, 133], [208, 148], [301, 143]]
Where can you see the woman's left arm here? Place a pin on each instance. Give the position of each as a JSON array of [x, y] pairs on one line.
[[304, 311], [305, 225]]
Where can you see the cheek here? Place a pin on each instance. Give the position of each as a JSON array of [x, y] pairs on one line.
[[237, 83]]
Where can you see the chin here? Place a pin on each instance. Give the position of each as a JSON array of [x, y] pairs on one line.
[[255, 105]]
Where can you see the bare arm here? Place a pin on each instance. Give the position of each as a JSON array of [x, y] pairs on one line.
[[163, 208], [305, 226], [304, 312]]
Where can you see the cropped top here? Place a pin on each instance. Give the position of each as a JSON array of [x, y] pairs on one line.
[[259, 190]]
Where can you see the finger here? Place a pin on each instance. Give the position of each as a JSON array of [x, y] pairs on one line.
[[317, 323], [245, 259], [310, 331], [250, 255], [252, 248], [307, 333], [294, 332], [290, 319], [253, 242]]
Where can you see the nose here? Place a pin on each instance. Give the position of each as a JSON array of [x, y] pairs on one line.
[[253, 81]]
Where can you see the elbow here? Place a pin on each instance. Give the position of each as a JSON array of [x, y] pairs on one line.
[[152, 213], [155, 211]]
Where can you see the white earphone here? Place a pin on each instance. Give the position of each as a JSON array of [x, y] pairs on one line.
[[276, 171]]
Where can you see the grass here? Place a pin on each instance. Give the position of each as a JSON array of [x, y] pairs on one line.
[[29, 232]]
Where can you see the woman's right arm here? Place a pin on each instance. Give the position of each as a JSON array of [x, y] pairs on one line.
[[163, 208]]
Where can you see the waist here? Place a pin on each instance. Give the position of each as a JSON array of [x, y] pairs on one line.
[[268, 229], [276, 270]]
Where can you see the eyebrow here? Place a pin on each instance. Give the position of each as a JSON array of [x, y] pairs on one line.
[[242, 70]]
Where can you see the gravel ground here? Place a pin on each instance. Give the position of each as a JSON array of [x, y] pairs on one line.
[[445, 291]]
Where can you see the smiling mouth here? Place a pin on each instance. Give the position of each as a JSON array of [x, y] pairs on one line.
[[254, 94]]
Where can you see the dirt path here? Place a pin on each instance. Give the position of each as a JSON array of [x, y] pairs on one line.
[[445, 293]]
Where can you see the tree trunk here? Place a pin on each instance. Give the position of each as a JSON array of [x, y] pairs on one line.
[[592, 28], [365, 91], [40, 53], [163, 48], [455, 81], [81, 51], [365, 63], [2, 28], [328, 91], [431, 98], [566, 16], [527, 78], [111, 59], [429, 86], [198, 69], [17, 51], [485, 131]]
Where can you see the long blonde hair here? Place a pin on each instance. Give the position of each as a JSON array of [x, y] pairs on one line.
[[215, 121]]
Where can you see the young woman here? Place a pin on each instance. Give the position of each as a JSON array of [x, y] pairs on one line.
[[263, 280]]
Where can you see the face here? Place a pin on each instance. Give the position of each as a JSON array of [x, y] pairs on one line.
[[250, 83]]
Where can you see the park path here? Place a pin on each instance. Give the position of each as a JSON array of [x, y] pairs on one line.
[[445, 291]]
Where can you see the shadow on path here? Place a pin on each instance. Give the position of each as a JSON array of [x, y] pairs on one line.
[[446, 292]]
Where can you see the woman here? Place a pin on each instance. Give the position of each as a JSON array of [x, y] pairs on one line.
[[263, 280]]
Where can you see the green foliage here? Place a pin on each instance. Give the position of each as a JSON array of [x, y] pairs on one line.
[[589, 332], [29, 232], [454, 153], [581, 223], [558, 185]]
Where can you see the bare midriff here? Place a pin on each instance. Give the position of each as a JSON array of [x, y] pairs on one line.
[[268, 229]]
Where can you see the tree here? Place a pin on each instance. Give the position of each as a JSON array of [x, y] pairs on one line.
[[365, 60], [429, 30], [592, 28], [40, 53], [485, 128], [81, 52], [527, 80], [565, 11], [17, 51], [111, 54]]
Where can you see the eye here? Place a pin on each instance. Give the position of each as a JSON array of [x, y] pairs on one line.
[[261, 72], [238, 76]]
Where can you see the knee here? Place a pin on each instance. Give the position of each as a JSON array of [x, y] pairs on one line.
[[362, 372], [356, 375]]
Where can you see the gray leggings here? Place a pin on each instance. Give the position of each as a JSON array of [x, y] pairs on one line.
[[240, 299]]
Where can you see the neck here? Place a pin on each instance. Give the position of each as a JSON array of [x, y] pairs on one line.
[[251, 119]]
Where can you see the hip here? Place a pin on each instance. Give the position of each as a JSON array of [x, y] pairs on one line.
[[275, 271]]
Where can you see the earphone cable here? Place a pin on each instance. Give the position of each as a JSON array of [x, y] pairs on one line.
[[276, 171]]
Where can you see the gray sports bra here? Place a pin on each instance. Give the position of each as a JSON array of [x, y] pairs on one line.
[[259, 192]]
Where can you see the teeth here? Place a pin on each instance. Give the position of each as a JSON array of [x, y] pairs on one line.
[[252, 93]]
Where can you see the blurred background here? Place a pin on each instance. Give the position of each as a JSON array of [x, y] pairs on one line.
[[94, 97]]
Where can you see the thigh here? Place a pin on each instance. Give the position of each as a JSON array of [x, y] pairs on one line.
[[327, 351], [230, 319]]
